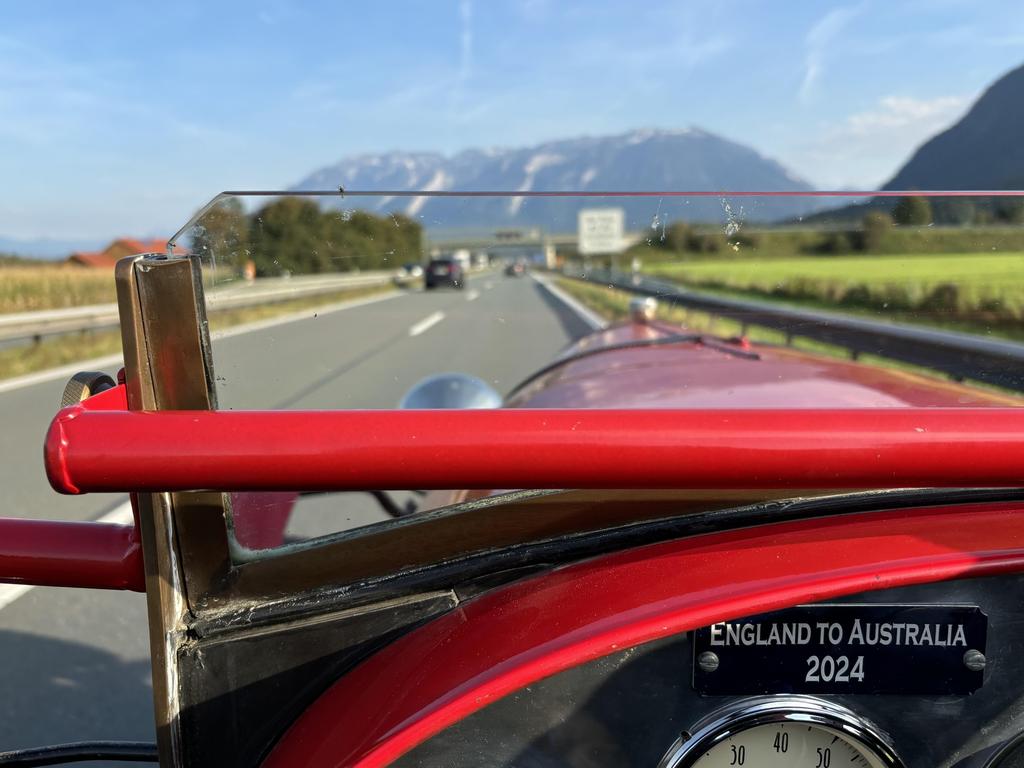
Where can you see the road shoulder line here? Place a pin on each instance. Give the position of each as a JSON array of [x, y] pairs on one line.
[[591, 318], [99, 363]]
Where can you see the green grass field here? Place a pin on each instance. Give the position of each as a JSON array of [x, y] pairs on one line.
[[975, 269], [980, 289]]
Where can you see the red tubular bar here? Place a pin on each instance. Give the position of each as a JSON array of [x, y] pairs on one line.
[[66, 554], [93, 451]]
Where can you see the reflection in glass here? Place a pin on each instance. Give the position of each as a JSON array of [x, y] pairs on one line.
[[328, 301]]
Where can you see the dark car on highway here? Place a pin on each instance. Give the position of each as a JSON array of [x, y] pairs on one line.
[[515, 269], [445, 272]]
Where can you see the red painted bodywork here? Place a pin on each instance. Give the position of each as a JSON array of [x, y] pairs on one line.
[[508, 638], [720, 375], [295, 450], [259, 518]]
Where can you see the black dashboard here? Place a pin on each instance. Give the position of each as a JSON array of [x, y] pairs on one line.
[[639, 708]]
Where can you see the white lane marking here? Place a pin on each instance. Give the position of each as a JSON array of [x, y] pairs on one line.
[[591, 318], [11, 592], [426, 323], [472, 295], [121, 514], [99, 363], [63, 372], [304, 314]]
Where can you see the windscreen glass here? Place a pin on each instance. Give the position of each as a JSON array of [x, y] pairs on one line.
[[332, 300]]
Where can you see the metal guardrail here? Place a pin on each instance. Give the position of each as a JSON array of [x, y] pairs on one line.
[[960, 355], [26, 327], [31, 326]]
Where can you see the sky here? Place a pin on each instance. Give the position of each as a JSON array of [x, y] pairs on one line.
[[123, 117]]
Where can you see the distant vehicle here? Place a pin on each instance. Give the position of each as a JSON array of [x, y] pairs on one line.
[[515, 269], [412, 269], [463, 257], [481, 260], [445, 272]]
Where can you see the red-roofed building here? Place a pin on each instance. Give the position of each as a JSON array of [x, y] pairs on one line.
[[117, 250]]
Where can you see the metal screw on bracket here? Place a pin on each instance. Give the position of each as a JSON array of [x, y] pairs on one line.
[[974, 660], [708, 661]]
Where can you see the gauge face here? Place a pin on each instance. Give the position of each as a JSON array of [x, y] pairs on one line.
[[782, 732], [789, 745], [1012, 755]]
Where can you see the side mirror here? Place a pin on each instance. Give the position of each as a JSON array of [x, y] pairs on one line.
[[451, 390]]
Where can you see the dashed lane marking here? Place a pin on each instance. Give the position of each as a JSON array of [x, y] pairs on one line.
[[426, 323]]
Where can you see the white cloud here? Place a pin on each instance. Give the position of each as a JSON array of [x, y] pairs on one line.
[[819, 41], [866, 148], [465, 39], [896, 113], [533, 10], [647, 65]]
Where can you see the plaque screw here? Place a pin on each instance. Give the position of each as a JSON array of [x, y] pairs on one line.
[[708, 661], [974, 660]]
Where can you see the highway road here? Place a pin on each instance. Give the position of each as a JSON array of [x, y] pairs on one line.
[[74, 664]]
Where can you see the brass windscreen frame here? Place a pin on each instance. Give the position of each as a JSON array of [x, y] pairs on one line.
[[165, 339]]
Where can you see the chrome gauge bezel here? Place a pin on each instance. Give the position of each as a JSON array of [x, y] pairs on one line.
[[1006, 751], [766, 710]]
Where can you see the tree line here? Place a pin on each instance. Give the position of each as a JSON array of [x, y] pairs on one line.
[[293, 235], [885, 226]]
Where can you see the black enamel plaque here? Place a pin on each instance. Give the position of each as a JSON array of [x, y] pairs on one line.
[[867, 648]]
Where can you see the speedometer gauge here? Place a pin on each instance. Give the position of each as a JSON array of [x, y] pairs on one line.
[[782, 731]]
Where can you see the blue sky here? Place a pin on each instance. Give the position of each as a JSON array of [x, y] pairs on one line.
[[123, 117]]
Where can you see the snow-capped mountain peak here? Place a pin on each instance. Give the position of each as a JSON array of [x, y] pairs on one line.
[[646, 159]]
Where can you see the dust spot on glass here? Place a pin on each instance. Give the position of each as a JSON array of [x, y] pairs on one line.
[[733, 222], [733, 219], [657, 222]]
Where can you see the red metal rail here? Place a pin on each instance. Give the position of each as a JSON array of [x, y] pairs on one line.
[[66, 554], [91, 450], [74, 554]]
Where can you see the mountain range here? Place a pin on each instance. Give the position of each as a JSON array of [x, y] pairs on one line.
[[982, 151], [689, 158]]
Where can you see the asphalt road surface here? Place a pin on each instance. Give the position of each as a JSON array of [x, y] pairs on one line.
[[74, 664]]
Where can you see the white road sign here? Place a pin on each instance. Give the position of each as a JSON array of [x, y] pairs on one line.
[[601, 231]]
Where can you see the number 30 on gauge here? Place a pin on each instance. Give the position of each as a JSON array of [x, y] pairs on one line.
[[782, 732]]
